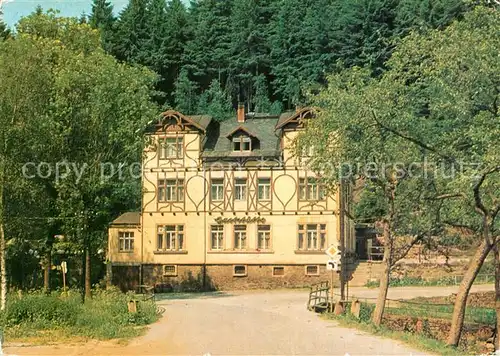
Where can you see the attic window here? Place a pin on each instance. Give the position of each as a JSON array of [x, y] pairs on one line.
[[242, 144]]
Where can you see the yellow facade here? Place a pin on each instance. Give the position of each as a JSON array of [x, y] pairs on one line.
[[230, 209]]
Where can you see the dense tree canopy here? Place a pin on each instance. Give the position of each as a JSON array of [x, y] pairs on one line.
[[262, 47], [88, 111], [423, 137]]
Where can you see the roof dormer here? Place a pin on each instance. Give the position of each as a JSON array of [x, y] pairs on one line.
[[242, 139]]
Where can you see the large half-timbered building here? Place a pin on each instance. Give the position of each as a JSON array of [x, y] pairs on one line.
[[227, 205]]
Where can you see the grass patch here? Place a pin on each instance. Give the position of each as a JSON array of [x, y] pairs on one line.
[[472, 315], [42, 318], [417, 341], [419, 281]]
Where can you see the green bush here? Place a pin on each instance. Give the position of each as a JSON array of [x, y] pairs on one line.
[[104, 316], [41, 309]]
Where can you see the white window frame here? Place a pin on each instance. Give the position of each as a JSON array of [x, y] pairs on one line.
[[170, 190], [264, 189], [217, 189], [311, 237], [243, 274], [171, 237], [170, 274], [264, 236], [240, 237], [242, 144], [172, 147], [310, 189], [240, 189], [217, 235], [126, 241]]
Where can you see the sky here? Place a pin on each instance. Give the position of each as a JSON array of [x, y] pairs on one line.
[[14, 9]]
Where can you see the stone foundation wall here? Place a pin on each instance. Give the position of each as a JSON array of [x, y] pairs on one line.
[[125, 277], [221, 277]]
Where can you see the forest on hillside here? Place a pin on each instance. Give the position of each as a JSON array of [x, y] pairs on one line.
[[212, 54]]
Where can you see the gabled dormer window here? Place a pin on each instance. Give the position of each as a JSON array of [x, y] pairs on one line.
[[242, 144]]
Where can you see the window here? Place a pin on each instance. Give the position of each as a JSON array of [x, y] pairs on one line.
[[312, 270], [240, 189], [242, 144], [264, 189], [240, 237], [170, 270], [170, 238], [310, 189], [312, 237], [171, 147], [278, 271], [240, 270], [126, 241], [217, 190], [264, 237], [217, 237], [170, 190]]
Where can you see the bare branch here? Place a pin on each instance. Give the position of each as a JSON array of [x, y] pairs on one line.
[[477, 195], [411, 139]]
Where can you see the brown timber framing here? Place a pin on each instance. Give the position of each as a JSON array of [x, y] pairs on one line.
[[227, 204]]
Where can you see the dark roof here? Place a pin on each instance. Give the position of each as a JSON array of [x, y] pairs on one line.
[[296, 115], [130, 218], [284, 118], [260, 126], [202, 120], [241, 128]]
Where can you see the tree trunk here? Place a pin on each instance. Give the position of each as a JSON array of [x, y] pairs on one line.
[[46, 271], [497, 294], [3, 274], [384, 276], [88, 286], [457, 319]]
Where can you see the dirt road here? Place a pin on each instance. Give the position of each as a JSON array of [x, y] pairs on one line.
[[251, 323]]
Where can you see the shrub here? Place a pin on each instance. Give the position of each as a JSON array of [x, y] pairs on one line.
[[104, 316], [41, 309]]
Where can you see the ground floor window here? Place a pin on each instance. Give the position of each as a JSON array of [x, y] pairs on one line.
[[126, 241], [278, 271], [311, 237], [170, 238], [312, 270], [170, 270], [239, 270], [264, 237], [217, 237], [240, 237]]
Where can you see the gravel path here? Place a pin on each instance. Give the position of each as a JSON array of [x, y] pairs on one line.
[[248, 323]]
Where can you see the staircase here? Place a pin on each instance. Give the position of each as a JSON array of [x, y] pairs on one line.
[[364, 272]]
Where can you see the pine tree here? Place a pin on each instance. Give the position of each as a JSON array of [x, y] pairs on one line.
[[261, 102], [185, 94], [155, 44], [296, 48], [103, 19], [215, 102], [249, 44], [363, 32], [131, 36], [177, 32], [207, 52], [412, 14], [4, 31]]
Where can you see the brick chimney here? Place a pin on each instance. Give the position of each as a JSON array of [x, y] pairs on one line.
[[241, 113]]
